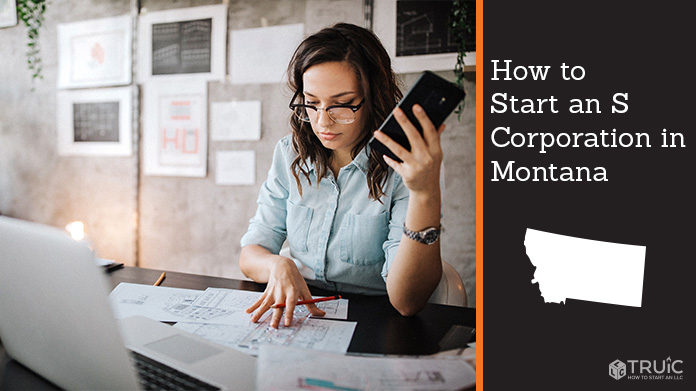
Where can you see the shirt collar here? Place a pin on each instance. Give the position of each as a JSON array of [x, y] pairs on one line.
[[361, 161]]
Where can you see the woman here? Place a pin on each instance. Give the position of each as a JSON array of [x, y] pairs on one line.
[[348, 214]]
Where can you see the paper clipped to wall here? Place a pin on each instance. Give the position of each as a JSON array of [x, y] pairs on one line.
[[235, 168], [261, 55], [235, 121]]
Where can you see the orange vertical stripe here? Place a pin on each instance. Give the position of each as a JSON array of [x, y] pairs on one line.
[[479, 194]]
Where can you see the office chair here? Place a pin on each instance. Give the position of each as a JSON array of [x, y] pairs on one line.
[[450, 291]]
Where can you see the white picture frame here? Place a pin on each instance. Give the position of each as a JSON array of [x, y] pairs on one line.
[[175, 128], [95, 53], [168, 49], [8, 13], [385, 25], [95, 122]]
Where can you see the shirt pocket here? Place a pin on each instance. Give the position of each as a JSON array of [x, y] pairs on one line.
[[298, 222], [362, 237]]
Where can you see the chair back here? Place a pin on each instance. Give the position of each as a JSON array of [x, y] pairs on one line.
[[451, 290]]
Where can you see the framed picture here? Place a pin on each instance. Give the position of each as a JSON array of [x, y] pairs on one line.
[[95, 53], [8, 13], [183, 42], [175, 130], [416, 34], [95, 122]]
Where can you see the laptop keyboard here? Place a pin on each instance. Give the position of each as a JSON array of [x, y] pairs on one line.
[[157, 376]]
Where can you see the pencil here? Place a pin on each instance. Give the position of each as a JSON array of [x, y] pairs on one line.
[[160, 279], [282, 305]]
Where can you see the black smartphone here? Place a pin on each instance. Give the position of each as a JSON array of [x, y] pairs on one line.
[[437, 96]]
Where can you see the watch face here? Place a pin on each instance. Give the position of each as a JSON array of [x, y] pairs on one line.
[[430, 236]]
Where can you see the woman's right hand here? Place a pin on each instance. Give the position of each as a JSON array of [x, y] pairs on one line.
[[285, 285]]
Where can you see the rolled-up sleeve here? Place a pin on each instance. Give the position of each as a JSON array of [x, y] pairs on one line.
[[268, 226], [399, 206]]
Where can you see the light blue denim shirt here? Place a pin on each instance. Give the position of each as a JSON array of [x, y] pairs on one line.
[[346, 238]]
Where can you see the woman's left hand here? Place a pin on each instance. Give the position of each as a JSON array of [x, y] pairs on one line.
[[420, 167]]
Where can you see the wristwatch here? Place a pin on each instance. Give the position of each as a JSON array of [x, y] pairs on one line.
[[428, 236]]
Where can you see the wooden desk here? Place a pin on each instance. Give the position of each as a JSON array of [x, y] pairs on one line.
[[380, 329]]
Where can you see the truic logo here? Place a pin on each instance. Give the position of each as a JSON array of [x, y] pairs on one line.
[[665, 370], [617, 369]]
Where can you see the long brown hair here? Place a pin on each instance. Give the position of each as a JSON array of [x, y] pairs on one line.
[[362, 50]]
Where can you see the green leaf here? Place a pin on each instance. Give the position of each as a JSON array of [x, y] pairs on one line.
[[31, 13]]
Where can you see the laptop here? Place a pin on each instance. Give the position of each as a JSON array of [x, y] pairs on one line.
[[56, 319]]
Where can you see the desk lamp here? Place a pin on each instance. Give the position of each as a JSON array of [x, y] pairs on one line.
[[76, 229]]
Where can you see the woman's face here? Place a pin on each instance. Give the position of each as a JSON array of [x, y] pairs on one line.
[[329, 84]]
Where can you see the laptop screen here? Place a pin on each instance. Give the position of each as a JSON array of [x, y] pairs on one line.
[[56, 318]]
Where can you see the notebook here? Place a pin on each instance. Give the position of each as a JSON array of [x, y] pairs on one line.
[[57, 321]]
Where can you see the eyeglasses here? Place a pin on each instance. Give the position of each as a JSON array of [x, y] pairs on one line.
[[341, 114]]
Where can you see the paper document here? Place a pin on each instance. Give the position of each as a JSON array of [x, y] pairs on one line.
[[240, 333], [156, 302], [239, 300], [219, 315], [249, 65], [235, 121], [298, 369], [304, 332], [235, 168], [214, 305]]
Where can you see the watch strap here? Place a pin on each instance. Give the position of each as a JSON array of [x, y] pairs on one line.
[[427, 236]]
